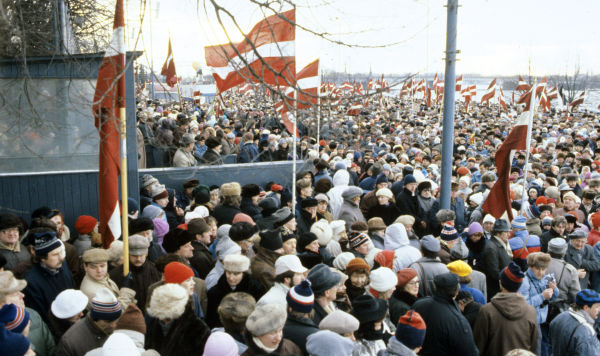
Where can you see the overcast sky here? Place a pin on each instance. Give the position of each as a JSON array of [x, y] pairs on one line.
[[494, 37]]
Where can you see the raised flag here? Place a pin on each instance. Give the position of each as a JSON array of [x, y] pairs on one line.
[[168, 68], [459, 81], [577, 101], [308, 81], [489, 93], [501, 99], [522, 85], [267, 54], [197, 97], [355, 109], [346, 86], [109, 99]]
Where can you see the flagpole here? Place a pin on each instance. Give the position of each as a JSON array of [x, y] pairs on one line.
[[318, 109], [527, 146], [124, 205], [295, 128]]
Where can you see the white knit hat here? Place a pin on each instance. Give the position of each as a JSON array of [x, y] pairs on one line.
[[384, 192], [323, 231], [236, 263], [489, 218], [69, 303], [337, 226], [119, 344], [342, 260], [383, 279], [168, 302]]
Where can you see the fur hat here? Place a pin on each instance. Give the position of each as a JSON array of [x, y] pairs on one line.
[[337, 226], [328, 343], [339, 322], [231, 189], [241, 231], [308, 203], [236, 306], [115, 250], [174, 239], [250, 190], [212, 142], [357, 264], [351, 192], [376, 223], [168, 302], [385, 192], [368, 309], [271, 239], [282, 216], [159, 191], [445, 215], [140, 224], [138, 245], [558, 246], [236, 263], [341, 261], [323, 231], [198, 226], [266, 318], [322, 278]]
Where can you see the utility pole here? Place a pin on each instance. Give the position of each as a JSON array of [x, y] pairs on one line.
[[449, 87]]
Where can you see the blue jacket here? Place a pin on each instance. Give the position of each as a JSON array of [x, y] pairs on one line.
[[43, 286], [570, 337], [532, 289], [476, 293], [248, 153], [322, 174]]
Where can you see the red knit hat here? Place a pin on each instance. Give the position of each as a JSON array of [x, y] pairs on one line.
[[177, 272], [85, 224], [462, 171], [405, 275], [541, 201], [385, 258], [241, 217], [595, 220]]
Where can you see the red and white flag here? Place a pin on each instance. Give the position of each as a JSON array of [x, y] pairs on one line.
[[489, 93], [577, 101], [308, 82], [272, 60], [420, 86], [168, 68], [109, 99], [522, 85], [501, 99], [498, 200], [197, 97], [346, 86], [371, 84], [354, 110], [459, 81]]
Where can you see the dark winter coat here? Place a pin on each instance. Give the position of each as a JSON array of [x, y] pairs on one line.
[[546, 237], [408, 204], [388, 213], [225, 214], [202, 261], [583, 259], [493, 260], [507, 322], [448, 331], [470, 313], [400, 302], [304, 222], [211, 157], [263, 267], [248, 153], [142, 276], [82, 337], [184, 336], [221, 289], [309, 259], [286, 347], [297, 330], [248, 208], [43, 286], [14, 256]]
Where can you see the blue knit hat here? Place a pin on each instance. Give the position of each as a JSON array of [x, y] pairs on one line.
[[520, 222], [411, 330], [449, 233], [14, 318], [511, 277], [301, 297], [587, 297], [12, 343], [381, 178], [105, 306], [409, 179], [45, 242]]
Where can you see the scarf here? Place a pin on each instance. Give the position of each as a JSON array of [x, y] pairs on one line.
[[369, 333], [505, 245], [584, 319], [425, 203], [261, 346]]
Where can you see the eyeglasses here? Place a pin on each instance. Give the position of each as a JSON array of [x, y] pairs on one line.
[[413, 283]]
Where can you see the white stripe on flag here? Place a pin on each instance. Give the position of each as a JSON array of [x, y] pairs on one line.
[[310, 82], [278, 49], [117, 43], [114, 223]]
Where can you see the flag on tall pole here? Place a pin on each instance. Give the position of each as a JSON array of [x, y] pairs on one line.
[[489, 93], [267, 54], [459, 81], [109, 115], [168, 68], [498, 201]]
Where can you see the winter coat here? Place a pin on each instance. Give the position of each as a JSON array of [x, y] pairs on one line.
[[470, 313], [368, 347], [309, 259], [286, 347], [396, 348], [475, 250], [40, 335], [262, 268], [531, 289], [304, 222], [396, 239], [458, 207], [448, 331], [388, 213], [183, 158], [82, 337], [83, 243], [478, 282], [572, 334], [493, 260], [225, 214], [211, 157], [276, 295], [477, 295], [567, 281], [248, 153], [546, 237], [400, 302], [183, 336], [90, 287], [320, 313], [368, 201], [504, 324], [248, 208], [266, 223], [202, 261], [341, 180], [427, 268], [199, 290], [408, 204], [14, 256], [43, 286], [297, 331], [142, 276], [219, 291], [585, 260], [350, 213]]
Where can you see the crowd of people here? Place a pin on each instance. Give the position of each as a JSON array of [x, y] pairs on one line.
[[360, 260]]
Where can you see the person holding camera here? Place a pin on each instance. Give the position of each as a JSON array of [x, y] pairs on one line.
[[539, 289]]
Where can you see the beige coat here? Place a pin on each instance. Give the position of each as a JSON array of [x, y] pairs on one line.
[[90, 287], [183, 158]]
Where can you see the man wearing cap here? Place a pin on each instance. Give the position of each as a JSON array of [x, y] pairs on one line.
[[572, 331], [92, 331], [448, 331], [183, 156], [146, 183], [567, 277], [10, 248], [408, 203], [324, 284], [429, 265], [212, 156], [49, 275], [143, 272], [496, 255], [308, 215], [95, 264], [349, 211], [581, 256], [289, 272]]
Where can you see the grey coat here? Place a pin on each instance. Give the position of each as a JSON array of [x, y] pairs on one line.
[[573, 337], [586, 260], [567, 282], [15, 256], [396, 348], [82, 337], [427, 268], [350, 213], [478, 282]]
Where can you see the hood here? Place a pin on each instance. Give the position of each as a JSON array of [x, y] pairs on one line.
[[341, 178], [511, 305], [395, 237]]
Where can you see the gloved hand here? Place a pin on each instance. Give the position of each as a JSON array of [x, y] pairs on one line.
[[127, 280]]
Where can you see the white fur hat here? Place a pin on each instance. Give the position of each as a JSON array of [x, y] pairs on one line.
[[342, 260], [337, 226], [323, 231], [200, 212], [168, 301], [119, 344], [383, 279], [266, 318], [236, 263], [385, 192]]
